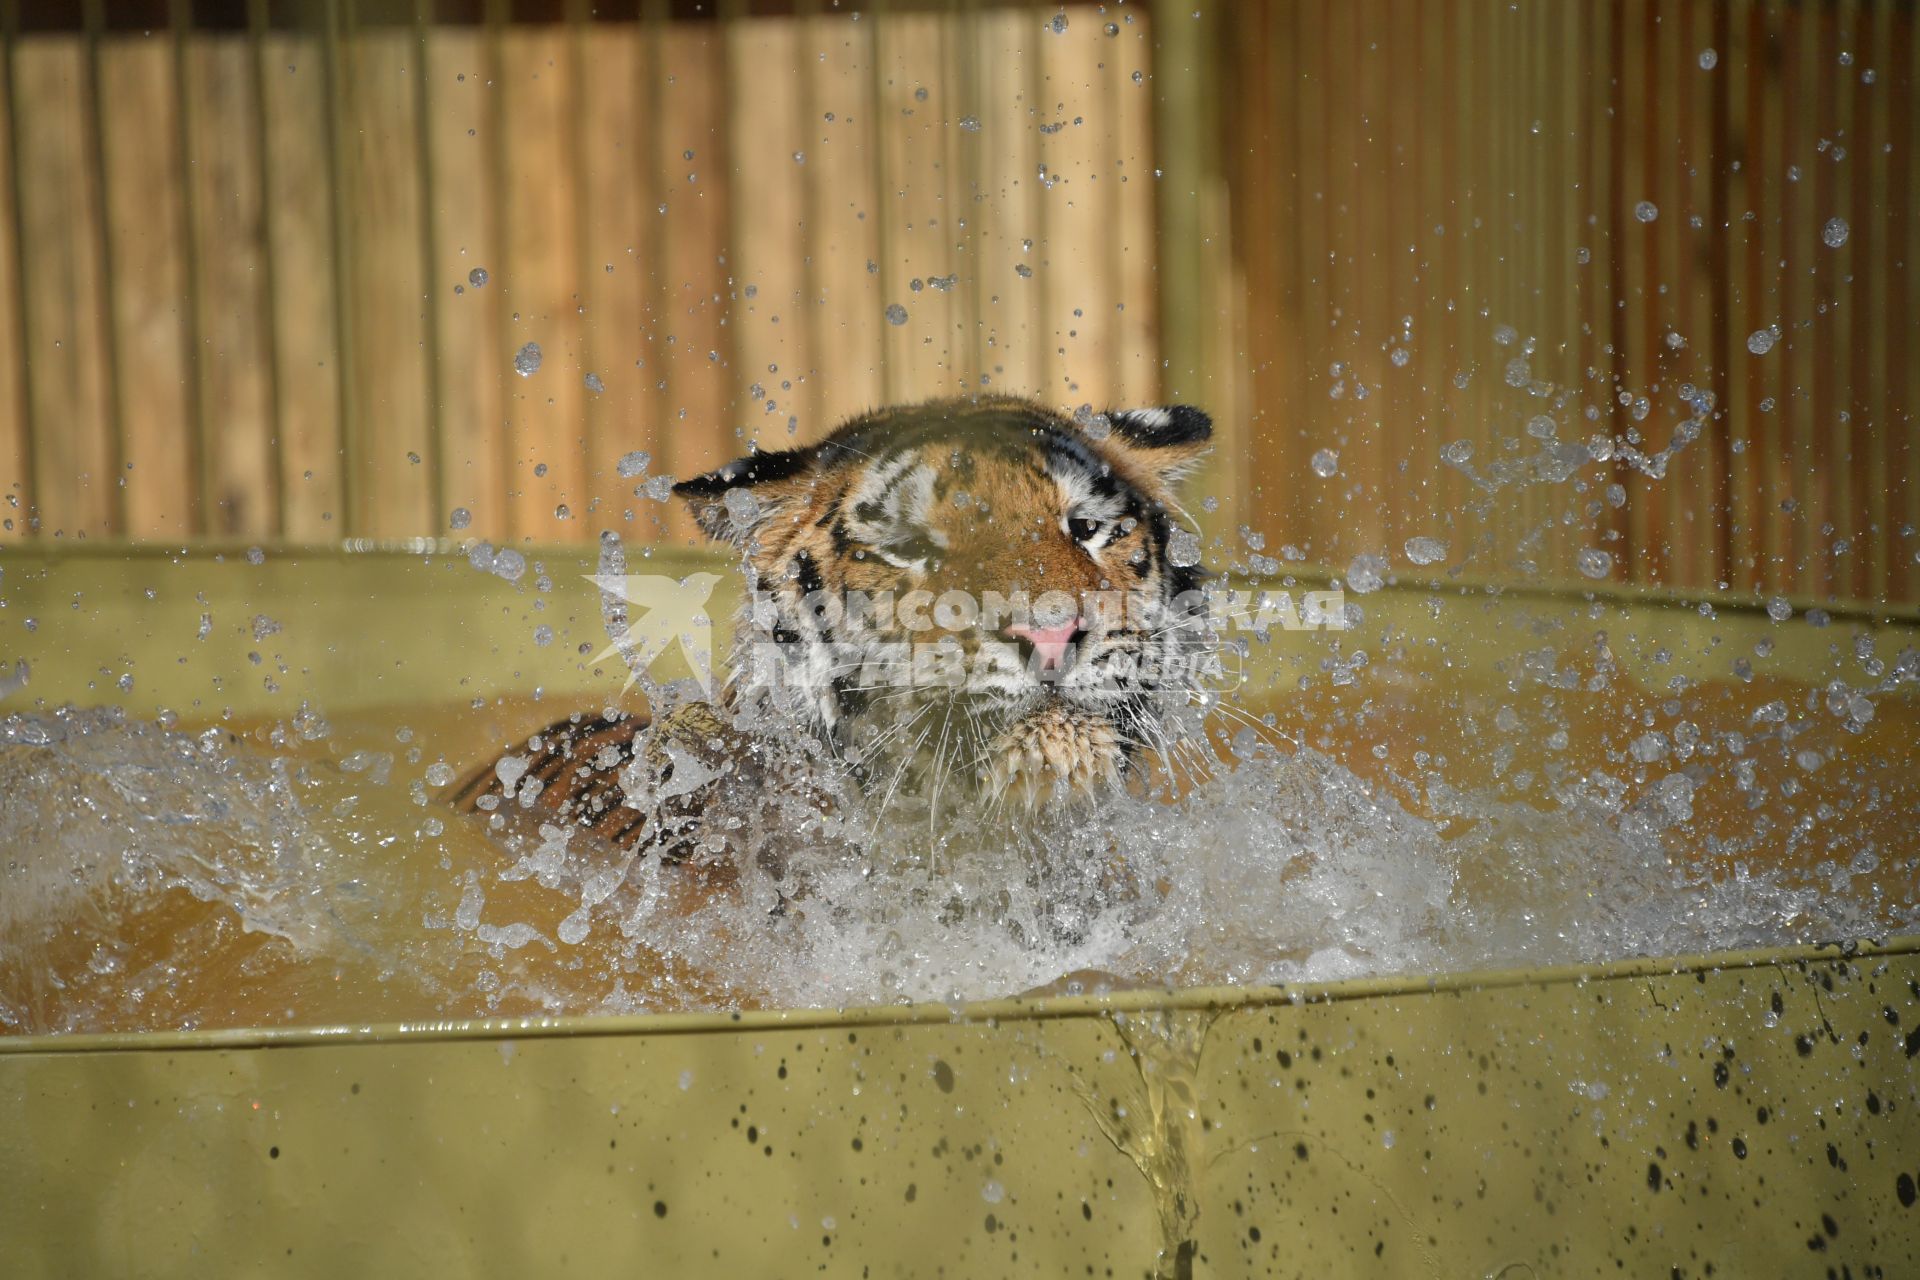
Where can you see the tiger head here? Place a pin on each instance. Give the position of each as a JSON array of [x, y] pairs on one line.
[[969, 593]]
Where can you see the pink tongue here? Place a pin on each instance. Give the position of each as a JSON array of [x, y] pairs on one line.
[[1051, 643]]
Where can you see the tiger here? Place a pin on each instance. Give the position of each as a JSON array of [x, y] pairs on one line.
[[983, 599]]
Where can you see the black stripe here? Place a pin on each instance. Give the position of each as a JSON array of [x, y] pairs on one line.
[[808, 574]]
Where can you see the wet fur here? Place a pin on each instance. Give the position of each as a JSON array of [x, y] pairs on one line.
[[971, 495]]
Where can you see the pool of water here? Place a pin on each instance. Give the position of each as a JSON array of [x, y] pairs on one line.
[[221, 806]]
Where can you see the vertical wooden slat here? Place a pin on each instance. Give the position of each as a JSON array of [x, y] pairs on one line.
[[59, 227], [1437, 350], [17, 492], [1130, 202], [93, 21], [1256, 83], [1900, 220], [141, 136], [1183, 127], [1636, 276], [336, 68], [1405, 405], [615, 281], [1605, 210], [1769, 52], [1906, 56], [473, 356], [1316, 496], [539, 282], [388, 393], [1796, 353], [1866, 247], [918, 111], [1828, 517], [1575, 61], [1076, 150], [264, 161], [426, 229], [1739, 84], [1699, 512], [1379, 525], [233, 360], [698, 430], [770, 316], [842, 230], [300, 247], [1014, 339]]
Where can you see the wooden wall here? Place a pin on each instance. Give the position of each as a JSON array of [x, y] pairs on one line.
[[234, 260], [1455, 186]]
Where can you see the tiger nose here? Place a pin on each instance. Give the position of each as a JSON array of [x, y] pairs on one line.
[[1052, 643]]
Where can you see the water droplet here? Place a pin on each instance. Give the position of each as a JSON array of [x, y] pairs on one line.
[[439, 774], [460, 518], [1778, 609], [970, 123], [1366, 574], [1326, 463], [1426, 550], [1709, 59], [594, 384], [1594, 563], [896, 314], [1456, 452], [526, 361], [478, 277], [1022, 270], [1646, 211], [1058, 24], [1399, 356], [993, 1193], [1834, 234], [1761, 341], [632, 464], [1541, 427], [1183, 549]]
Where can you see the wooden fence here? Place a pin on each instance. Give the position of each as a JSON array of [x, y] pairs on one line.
[[1625, 193], [239, 293], [235, 260]]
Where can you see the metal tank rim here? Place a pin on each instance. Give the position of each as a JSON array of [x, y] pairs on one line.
[[986, 1012], [1839, 609]]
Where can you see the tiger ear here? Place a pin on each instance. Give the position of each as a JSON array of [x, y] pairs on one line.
[[729, 504], [1166, 442]]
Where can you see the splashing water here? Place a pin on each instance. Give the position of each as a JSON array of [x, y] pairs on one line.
[[1273, 866]]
